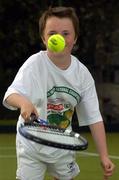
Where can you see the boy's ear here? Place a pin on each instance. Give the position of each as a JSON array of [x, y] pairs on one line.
[[42, 43], [43, 40], [75, 40]]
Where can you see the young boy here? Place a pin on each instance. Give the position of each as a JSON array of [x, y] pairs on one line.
[[46, 80]]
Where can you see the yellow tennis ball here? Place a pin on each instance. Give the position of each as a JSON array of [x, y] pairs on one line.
[[56, 43]]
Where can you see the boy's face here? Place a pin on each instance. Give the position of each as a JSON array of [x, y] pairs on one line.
[[63, 26]]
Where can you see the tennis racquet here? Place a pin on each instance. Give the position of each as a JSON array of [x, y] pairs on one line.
[[39, 131]]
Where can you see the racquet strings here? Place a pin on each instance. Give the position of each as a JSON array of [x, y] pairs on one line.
[[55, 135]]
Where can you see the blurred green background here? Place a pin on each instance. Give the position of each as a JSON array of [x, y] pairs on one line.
[[97, 46]]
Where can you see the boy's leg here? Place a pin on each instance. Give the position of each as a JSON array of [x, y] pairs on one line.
[[28, 165], [31, 170], [65, 168]]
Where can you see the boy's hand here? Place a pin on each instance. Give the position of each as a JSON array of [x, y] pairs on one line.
[[108, 168], [27, 109]]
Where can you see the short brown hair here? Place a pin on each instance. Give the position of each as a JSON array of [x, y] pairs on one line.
[[60, 12]]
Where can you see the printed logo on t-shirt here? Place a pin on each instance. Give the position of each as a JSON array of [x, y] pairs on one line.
[[59, 112], [59, 109], [62, 89]]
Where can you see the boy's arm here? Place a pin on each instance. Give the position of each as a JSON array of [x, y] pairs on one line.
[[98, 133], [21, 102]]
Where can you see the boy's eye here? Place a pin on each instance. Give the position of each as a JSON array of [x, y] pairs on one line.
[[52, 33], [65, 33]]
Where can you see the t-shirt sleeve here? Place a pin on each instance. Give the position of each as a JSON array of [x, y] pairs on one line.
[[26, 84], [88, 109]]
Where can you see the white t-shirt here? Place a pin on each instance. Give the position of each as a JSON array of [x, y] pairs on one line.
[[56, 92]]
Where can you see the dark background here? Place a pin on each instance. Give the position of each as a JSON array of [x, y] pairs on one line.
[[97, 46]]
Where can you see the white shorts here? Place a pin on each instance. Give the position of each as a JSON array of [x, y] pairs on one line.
[[31, 167]]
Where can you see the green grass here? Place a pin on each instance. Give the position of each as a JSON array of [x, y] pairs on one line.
[[89, 165], [10, 122]]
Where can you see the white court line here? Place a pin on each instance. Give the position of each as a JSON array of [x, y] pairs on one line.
[[7, 156], [96, 155], [81, 153], [7, 147]]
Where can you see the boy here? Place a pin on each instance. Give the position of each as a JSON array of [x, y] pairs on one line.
[[46, 80]]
